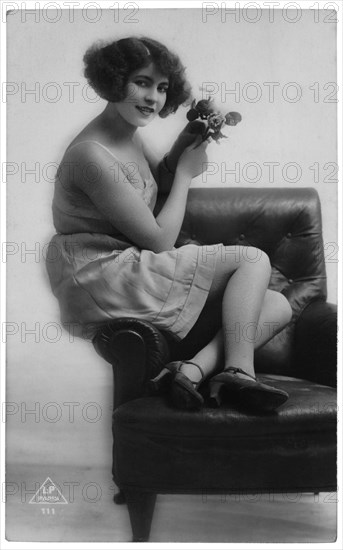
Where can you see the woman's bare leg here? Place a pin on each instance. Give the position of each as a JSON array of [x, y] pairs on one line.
[[275, 315], [251, 314]]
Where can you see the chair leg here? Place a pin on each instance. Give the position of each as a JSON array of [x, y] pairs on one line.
[[141, 509]]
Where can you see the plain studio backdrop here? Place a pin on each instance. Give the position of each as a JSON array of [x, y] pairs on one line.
[[280, 75]]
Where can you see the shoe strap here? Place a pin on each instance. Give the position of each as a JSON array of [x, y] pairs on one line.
[[234, 370], [191, 363]]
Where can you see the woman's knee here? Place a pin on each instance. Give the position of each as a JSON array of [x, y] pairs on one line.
[[256, 258], [286, 310], [231, 257], [281, 306], [263, 259]]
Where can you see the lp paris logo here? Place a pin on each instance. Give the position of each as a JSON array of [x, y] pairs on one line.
[[48, 493]]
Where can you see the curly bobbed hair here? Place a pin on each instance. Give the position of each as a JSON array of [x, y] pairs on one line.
[[108, 67]]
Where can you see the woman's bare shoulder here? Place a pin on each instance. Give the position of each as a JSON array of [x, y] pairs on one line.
[[85, 139]]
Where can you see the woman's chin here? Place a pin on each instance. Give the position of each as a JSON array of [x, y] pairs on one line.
[[143, 122], [140, 120]]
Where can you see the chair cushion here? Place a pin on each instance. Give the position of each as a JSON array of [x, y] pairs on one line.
[[157, 446]]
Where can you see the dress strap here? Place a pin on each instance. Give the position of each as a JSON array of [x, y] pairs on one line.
[[145, 180], [98, 143]]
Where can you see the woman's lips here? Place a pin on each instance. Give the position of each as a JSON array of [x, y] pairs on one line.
[[146, 111]]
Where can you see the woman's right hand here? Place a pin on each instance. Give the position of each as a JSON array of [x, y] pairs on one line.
[[193, 160], [184, 139]]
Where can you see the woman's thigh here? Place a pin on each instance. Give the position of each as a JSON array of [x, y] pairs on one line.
[[228, 260]]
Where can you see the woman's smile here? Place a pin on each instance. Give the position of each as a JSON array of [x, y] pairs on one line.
[[146, 111]]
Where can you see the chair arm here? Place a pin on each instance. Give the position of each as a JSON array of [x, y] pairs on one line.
[[316, 343], [137, 352]]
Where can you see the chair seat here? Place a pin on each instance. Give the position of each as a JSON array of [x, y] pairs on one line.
[[160, 448]]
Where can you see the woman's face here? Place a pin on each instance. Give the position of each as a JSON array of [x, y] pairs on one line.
[[146, 96]]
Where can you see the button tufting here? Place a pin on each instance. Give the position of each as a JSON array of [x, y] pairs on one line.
[[194, 236], [242, 237], [290, 281], [289, 235]]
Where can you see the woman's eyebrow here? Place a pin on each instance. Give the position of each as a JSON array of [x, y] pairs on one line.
[[150, 79]]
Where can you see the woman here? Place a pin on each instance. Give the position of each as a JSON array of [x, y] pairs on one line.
[[111, 257]]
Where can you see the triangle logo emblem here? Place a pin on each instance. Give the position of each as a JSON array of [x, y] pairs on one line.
[[48, 493]]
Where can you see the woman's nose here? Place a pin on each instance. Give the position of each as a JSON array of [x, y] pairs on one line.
[[151, 95]]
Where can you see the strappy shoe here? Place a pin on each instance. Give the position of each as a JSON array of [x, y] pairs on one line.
[[161, 384], [184, 394], [183, 391], [250, 393]]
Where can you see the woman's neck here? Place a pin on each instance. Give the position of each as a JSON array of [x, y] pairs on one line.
[[115, 125]]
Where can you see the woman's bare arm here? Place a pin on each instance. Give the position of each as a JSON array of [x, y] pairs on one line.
[[121, 205]]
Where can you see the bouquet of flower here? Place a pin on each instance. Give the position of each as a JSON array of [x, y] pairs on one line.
[[205, 110]]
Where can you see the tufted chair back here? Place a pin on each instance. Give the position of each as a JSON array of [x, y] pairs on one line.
[[284, 223]]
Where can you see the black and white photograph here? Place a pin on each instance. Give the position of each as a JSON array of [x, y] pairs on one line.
[[171, 251]]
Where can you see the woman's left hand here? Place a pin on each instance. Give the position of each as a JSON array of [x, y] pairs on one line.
[[184, 139]]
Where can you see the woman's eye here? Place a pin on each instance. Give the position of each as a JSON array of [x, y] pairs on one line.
[[164, 90], [141, 82]]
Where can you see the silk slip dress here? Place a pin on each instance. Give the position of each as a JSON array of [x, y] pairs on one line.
[[98, 275]]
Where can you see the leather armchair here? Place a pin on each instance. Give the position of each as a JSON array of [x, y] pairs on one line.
[[158, 449]]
